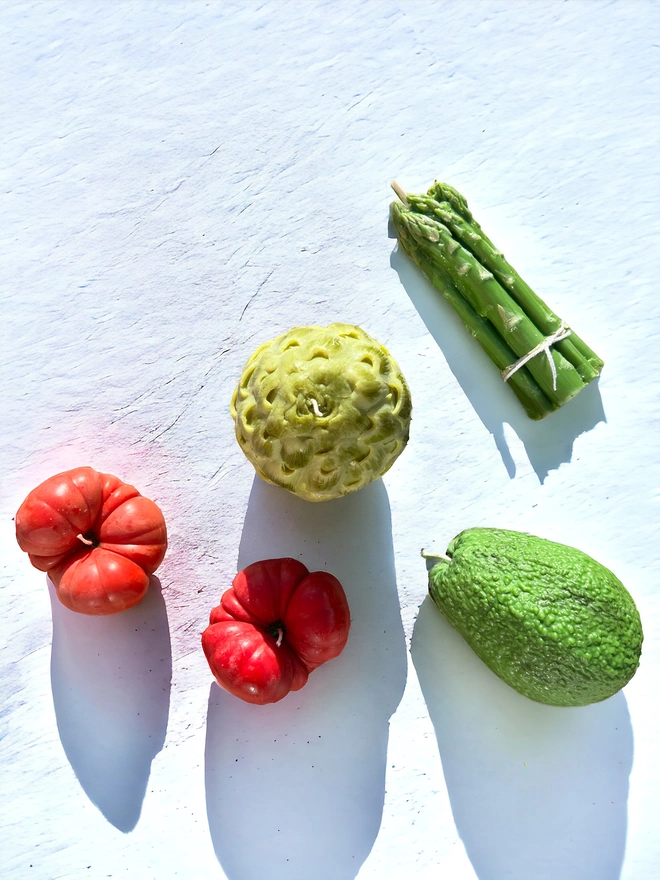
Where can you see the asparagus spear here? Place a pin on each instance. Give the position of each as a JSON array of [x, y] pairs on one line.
[[535, 402], [506, 317], [465, 229]]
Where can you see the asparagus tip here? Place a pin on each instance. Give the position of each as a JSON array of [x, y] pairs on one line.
[[400, 191]]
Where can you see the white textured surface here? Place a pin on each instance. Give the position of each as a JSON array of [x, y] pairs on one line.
[[185, 180]]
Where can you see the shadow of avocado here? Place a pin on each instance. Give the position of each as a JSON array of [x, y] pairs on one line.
[[295, 789], [110, 678], [536, 791], [549, 442]]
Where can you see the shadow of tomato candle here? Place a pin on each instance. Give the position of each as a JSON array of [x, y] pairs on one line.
[[309, 771], [110, 678]]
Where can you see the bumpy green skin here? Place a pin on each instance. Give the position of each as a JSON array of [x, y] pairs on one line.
[[322, 411], [549, 620]]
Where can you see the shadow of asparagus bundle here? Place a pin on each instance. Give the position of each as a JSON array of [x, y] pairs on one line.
[[540, 357]]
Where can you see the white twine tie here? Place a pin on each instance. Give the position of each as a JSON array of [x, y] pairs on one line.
[[561, 333]]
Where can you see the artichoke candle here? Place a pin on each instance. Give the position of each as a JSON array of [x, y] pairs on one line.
[[322, 411]]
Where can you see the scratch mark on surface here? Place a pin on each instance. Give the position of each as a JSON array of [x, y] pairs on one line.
[[220, 473], [183, 411], [255, 293], [215, 359], [359, 101], [169, 193]]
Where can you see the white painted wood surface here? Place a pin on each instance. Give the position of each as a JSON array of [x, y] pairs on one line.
[[185, 180]]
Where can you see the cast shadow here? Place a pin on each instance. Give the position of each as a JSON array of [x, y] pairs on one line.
[[295, 789], [110, 678], [536, 791], [548, 443]]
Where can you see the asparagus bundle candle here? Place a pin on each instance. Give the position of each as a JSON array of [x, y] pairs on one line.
[[540, 357]]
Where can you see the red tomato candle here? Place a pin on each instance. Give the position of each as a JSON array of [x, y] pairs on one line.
[[276, 624], [96, 536]]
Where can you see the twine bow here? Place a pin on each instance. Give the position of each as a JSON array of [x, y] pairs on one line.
[[561, 333]]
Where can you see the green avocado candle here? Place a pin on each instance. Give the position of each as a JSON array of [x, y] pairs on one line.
[[549, 620]]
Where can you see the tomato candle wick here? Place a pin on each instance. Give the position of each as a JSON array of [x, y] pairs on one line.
[[85, 540]]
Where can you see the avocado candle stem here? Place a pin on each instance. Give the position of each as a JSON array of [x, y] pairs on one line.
[[436, 557]]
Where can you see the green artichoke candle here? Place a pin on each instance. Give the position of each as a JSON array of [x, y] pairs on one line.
[[322, 411]]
